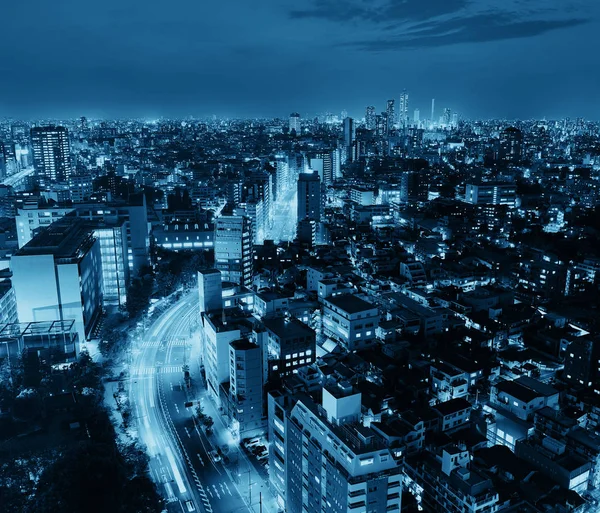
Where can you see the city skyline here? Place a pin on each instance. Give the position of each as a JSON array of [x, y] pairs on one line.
[[269, 59]]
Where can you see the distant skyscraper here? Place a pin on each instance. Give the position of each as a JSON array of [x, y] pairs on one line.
[[403, 110], [234, 252], [455, 119], [310, 197], [51, 152], [391, 115], [417, 116], [349, 135], [447, 117], [370, 118], [295, 123], [432, 109]]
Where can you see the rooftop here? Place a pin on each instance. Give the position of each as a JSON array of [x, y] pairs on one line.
[[452, 406], [285, 327], [63, 239], [350, 303]]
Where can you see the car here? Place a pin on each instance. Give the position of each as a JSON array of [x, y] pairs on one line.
[[215, 456], [190, 506], [262, 456], [258, 449], [251, 442]]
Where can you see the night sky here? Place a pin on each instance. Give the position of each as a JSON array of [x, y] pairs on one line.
[[482, 58]]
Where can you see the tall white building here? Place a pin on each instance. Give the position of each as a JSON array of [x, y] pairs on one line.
[[295, 123], [323, 459], [58, 276]]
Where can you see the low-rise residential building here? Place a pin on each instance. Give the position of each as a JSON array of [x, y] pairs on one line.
[[292, 345], [350, 320]]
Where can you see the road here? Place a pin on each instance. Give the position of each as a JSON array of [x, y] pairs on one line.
[[284, 218], [180, 452]]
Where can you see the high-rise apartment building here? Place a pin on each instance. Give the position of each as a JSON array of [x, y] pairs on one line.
[[234, 252], [323, 459], [295, 127], [310, 197], [246, 388], [51, 153]]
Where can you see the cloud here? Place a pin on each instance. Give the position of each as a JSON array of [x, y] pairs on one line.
[[476, 29], [429, 23]]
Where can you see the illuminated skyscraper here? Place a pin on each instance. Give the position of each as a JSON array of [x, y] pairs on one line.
[[417, 116], [391, 115], [432, 109], [370, 118], [403, 110], [294, 123], [51, 152]]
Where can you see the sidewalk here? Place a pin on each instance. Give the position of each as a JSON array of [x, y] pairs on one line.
[[251, 485]]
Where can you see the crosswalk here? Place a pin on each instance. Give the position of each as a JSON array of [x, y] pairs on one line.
[[148, 371], [158, 343]]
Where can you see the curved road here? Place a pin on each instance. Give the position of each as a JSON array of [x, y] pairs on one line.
[[180, 453]]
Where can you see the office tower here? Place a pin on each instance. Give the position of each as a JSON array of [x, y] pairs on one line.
[[51, 153], [432, 109], [349, 132], [323, 459], [417, 116], [234, 252], [310, 197], [403, 109], [454, 121], [210, 291], [246, 388], [112, 238], [295, 123], [391, 114], [381, 124], [491, 193], [58, 276], [370, 118], [134, 212]]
